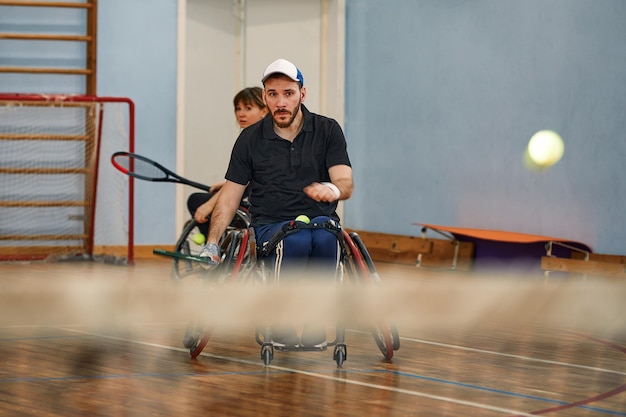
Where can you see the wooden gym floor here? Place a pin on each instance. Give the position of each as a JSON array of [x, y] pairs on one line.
[[470, 346]]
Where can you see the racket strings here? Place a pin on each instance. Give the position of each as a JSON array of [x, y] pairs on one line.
[[140, 168]]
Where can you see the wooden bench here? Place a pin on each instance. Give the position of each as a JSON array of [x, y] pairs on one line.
[[452, 253], [618, 259], [585, 263], [419, 251], [583, 267]]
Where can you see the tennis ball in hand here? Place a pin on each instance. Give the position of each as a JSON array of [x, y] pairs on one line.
[[303, 219], [198, 239], [545, 149]]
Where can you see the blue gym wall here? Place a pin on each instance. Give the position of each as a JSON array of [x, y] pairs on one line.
[[441, 99], [443, 96], [137, 58]]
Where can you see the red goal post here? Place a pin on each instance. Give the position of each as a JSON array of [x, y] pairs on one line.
[[60, 198]]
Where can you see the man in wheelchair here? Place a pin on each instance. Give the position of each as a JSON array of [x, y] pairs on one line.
[[296, 164]]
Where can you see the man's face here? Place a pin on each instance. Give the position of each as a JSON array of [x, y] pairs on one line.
[[283, 97]]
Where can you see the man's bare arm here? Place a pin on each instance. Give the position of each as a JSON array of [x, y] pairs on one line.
[[228, 201]]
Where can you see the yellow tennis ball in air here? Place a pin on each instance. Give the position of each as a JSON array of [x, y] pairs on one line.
[[198, 239], [303, 219], [545, 148]]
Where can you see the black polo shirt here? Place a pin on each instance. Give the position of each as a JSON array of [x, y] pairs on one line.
[[278, 170]]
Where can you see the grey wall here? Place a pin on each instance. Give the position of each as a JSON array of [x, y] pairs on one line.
[[443, 96]]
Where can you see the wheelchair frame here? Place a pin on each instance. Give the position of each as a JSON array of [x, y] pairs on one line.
[[240, 264]]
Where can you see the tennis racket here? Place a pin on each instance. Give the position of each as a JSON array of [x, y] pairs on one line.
[[143, 168], [185, 257]]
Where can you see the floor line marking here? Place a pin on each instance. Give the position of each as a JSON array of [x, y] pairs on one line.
[[322, 376], [509, 355], [504, 392], [409, 339]]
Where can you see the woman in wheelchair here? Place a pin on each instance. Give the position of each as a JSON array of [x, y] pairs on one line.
[[295, 163], [249, 109]]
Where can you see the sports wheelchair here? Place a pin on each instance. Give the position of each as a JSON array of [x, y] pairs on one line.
[[242, 261]]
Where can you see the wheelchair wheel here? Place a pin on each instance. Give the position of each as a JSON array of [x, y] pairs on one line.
[[267, 354], [340, 354], [187, 246], [236, 256], [395, 336], [233, 260], [196, 337], [200, 347], [393, 329], [366, 255], [385, 335], [384, 340], [352, 261]]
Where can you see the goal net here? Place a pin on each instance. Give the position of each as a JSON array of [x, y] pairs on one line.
[[60, 198]]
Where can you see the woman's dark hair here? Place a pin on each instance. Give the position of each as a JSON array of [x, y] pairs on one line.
[[250, 95]]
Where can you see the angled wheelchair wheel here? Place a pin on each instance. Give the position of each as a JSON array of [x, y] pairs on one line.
[[393, 329], [236, 257], [198, 334], [367, 259], [383, 339], [385, 334], [353, 263], [196, 337], [395, 336], [239, 249]]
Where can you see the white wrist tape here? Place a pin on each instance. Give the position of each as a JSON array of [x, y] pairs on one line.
[[334, 188]]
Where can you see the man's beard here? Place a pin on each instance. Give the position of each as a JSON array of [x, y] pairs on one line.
[[290, 121]]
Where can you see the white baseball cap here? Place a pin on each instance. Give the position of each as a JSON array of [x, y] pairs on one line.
[[282, 66]]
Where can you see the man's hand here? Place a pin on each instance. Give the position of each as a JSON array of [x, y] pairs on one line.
[[216, 187], [338, 188], [322, 192], [204, 211]]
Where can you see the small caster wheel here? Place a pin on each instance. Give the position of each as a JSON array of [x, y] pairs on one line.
[[339, 359], [267, 354], [340, 354]]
